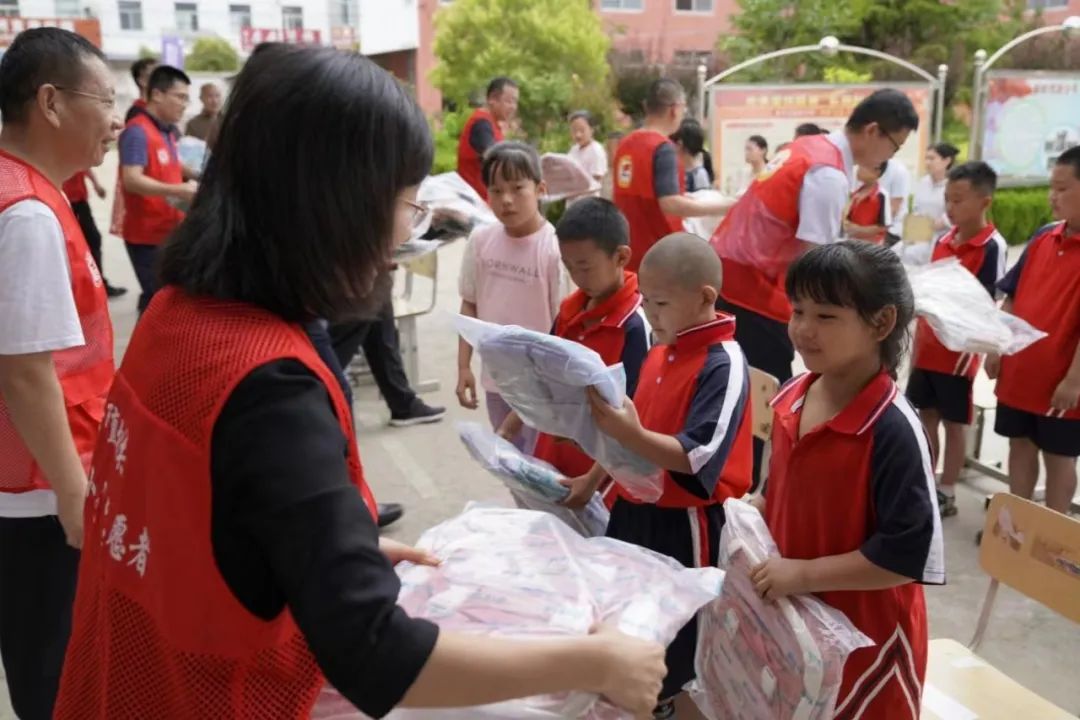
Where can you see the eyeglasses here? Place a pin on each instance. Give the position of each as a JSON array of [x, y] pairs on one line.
[[896, 145], [421, 217], [109, 101], [182, 97]]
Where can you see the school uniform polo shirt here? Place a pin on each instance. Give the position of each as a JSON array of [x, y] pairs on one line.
[[984, 257], [1045, 288], [863, 481], [698, 390], [618, 331]]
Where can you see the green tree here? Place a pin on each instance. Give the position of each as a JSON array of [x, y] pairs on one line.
[[212, 54], [556, 50], [924, 32]]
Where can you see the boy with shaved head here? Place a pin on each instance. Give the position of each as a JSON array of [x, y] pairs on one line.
[[690, 416]]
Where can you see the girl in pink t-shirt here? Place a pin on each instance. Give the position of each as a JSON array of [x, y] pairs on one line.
[[512, 271]]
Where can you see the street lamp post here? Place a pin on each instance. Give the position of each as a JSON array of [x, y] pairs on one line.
[[1070, 27], [830, 46]]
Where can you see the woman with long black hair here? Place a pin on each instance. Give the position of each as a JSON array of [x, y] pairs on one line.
[[232, 564]]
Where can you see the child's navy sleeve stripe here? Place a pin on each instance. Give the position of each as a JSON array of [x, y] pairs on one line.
[[1011, 281], [635, 349], [988, 271], [907, 537], [716, 412]]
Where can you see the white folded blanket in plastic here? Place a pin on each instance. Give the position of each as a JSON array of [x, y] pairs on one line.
[[764, 660], [704, 227], [963, 315], [533, 483], [523, 574], [565, 177], [449, 193], [543, 378]]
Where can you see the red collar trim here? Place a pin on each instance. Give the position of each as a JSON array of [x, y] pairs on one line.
[[1058, 234], [980, 239], [613, 312], [710, 333], [858, 417]]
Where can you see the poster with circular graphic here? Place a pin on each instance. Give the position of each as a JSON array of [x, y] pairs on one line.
[[1031, 118]]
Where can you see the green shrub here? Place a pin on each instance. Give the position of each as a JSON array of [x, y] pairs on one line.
[[212, 54], [1019, 212], [445, 132]]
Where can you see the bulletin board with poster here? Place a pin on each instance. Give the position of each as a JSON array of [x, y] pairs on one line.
[[774, 111], [1030, 118]]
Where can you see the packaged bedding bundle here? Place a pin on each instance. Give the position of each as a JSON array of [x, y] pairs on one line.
[[544, 378], [962, 314], [523, 574], [533, 483], [762, 659]]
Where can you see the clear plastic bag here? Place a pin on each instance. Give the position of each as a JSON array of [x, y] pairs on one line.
[[193, 153], [456, 207], [750, 234], [764, 660], [533, 483], [565, 177], [523, 574], [962, 314], [543, 378], [704, 227]]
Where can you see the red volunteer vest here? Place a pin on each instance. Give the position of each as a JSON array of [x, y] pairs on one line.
[[75, 188], [469, 162], [635, 193], [865, 209], [157, 633], [756, 239], [86, 371], [149, 220]]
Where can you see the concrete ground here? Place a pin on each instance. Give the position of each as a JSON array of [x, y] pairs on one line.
[[427, 470]]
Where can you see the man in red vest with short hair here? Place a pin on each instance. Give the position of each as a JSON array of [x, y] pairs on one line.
[[482, 130], [796, 203], [58, 107], [649, 178], [154, 181]]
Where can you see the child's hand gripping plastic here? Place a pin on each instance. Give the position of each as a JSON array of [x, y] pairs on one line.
[[962, 314], [534, 483], [766, 660], [544, 378], [523, 574]]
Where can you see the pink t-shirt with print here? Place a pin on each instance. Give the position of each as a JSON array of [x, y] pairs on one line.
[[513, 280]]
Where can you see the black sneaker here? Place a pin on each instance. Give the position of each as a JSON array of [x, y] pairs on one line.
[[420, 413], [946, 504], [113, 291], [390, 513], [664, 710]]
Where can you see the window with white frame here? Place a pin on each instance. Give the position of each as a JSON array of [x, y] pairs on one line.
[[68, 8], [239, 17], [292, 17], [9, 8], [697, 6], [187, 17], [622, 4], [343, 12], [130, 15]]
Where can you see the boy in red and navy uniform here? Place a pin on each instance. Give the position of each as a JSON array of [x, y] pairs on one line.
[[1038, 389], [604, 314], [863, 481], [868, 212], [941, 380], [690, 416]]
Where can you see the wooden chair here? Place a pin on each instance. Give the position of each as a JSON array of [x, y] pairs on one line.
[[409, 306], [1035, 551]]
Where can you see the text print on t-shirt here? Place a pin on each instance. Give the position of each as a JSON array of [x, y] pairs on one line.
[[510, 271]]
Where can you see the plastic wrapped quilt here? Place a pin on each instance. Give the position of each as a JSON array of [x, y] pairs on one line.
[[524, 574], [456, 207], [565, 177], [533, 483], [963, 315], [764, 660], [543, 378]]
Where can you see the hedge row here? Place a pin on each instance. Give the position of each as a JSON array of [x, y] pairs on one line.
[[1019, 212]]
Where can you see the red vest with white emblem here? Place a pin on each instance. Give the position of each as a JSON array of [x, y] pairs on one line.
[[470, 162], [635, 193], [86, 371], [157, 632], [148, 220], [756, 239]]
